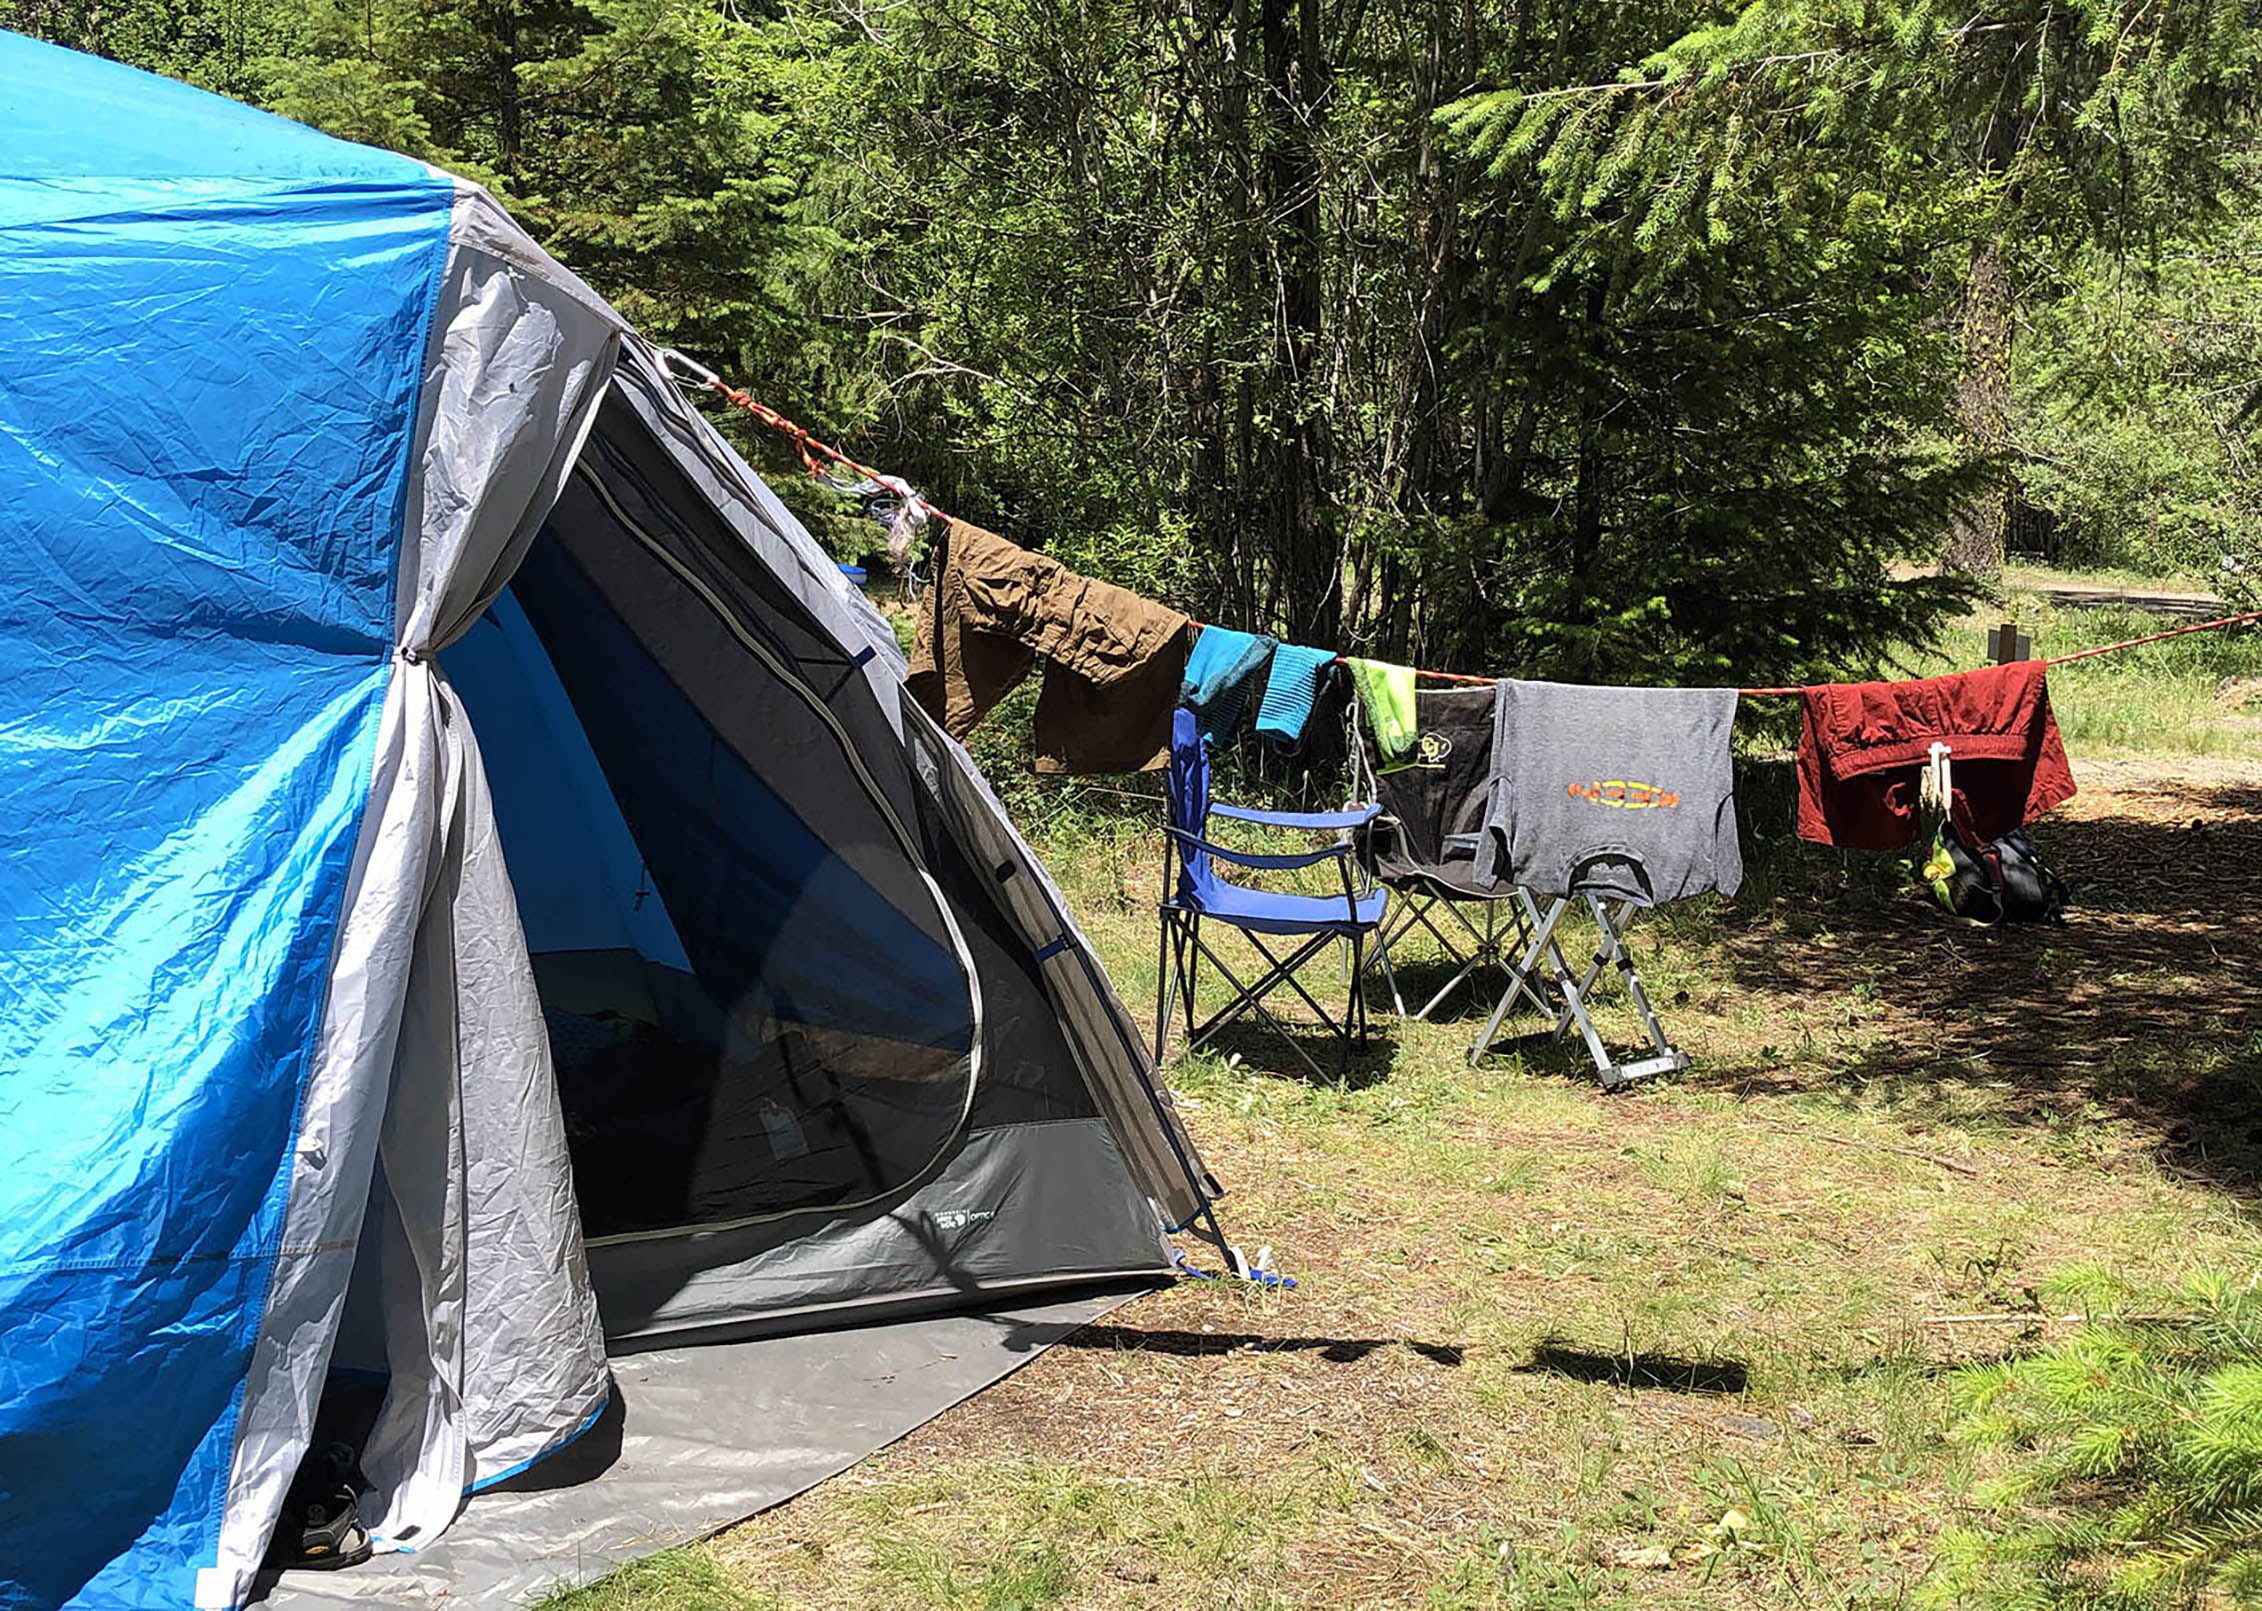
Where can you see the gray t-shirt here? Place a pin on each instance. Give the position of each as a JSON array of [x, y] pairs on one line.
[[1621, 791]]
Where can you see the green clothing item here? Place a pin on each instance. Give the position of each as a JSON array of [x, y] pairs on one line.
[[1386, 692]]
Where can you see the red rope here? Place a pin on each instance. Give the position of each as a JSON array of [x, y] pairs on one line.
[[1462, 676], [808, 445], [811, 448], [2080, 654], [1453, 676], [2155, 637]]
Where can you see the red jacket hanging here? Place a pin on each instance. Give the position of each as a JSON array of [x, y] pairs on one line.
[[1863, 746]]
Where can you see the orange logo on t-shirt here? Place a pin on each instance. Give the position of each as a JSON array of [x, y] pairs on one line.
[[1623, 796]]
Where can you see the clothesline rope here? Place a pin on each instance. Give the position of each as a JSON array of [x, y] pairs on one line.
[[812, 449], [2153, 637]]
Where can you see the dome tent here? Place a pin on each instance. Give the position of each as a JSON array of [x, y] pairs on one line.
[[476, 900]]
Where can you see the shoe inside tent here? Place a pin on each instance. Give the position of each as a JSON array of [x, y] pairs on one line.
[[489, 957]]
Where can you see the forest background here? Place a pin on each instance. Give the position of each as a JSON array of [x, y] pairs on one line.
[[1639, 342]]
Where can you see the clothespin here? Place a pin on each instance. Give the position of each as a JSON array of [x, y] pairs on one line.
[[1938, 790], [1938, 785]]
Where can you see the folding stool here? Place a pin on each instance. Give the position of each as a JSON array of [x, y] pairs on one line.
[[1543, 949]]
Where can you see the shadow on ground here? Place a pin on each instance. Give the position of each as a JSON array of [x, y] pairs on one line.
[[1665, 1372], [1195, 1344], [1339, 1063], [2142, 1006], [1470, 997]]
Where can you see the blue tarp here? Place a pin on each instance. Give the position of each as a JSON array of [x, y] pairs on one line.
[[215, 327]]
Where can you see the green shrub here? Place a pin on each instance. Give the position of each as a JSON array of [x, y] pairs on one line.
[[2128, 1460]]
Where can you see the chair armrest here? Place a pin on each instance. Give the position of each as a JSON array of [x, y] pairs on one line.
[[1319, 821], [1249, 858]]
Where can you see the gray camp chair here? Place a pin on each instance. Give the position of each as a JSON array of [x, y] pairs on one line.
[[1424, 844]]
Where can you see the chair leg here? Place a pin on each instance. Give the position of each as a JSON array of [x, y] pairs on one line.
[[1354, 1005], [1606, 949], [1522, 917], [1192, 953], [1248, 997], [1619, 953], [1390, 974], [1362, 1010], [1484, 950], [1350, 1028], [1575, 1011], [1465, 971], [1398, 926], [1380, 958], [1640, 995], [1482, 947], [1666, 1058]]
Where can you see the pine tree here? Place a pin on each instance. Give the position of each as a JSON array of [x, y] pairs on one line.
[[2044, 128], [2130, 1460]]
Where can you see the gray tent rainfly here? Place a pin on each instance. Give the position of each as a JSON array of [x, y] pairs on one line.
[[825, 1044]]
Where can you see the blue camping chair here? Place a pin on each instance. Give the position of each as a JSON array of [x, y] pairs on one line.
[[1192, 891]]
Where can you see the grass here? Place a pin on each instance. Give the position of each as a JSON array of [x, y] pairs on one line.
[[1688, 1346], [682, 1580], [2021, 574]]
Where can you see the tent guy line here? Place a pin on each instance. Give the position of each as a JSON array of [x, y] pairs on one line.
[[811, 447]]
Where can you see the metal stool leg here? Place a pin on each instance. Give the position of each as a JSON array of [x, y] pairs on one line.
[[1611, 950], [1520, 987]]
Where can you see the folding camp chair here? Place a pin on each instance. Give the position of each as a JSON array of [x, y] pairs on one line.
[[1543, 949], [1192, 892], [1423, 846]]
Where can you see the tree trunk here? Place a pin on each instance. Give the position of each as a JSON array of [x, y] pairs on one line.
[[1223, 465], [1421, 457], [1983, 406], [1307, 556], [510, 133], [1983, 402], [1588, 489]]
